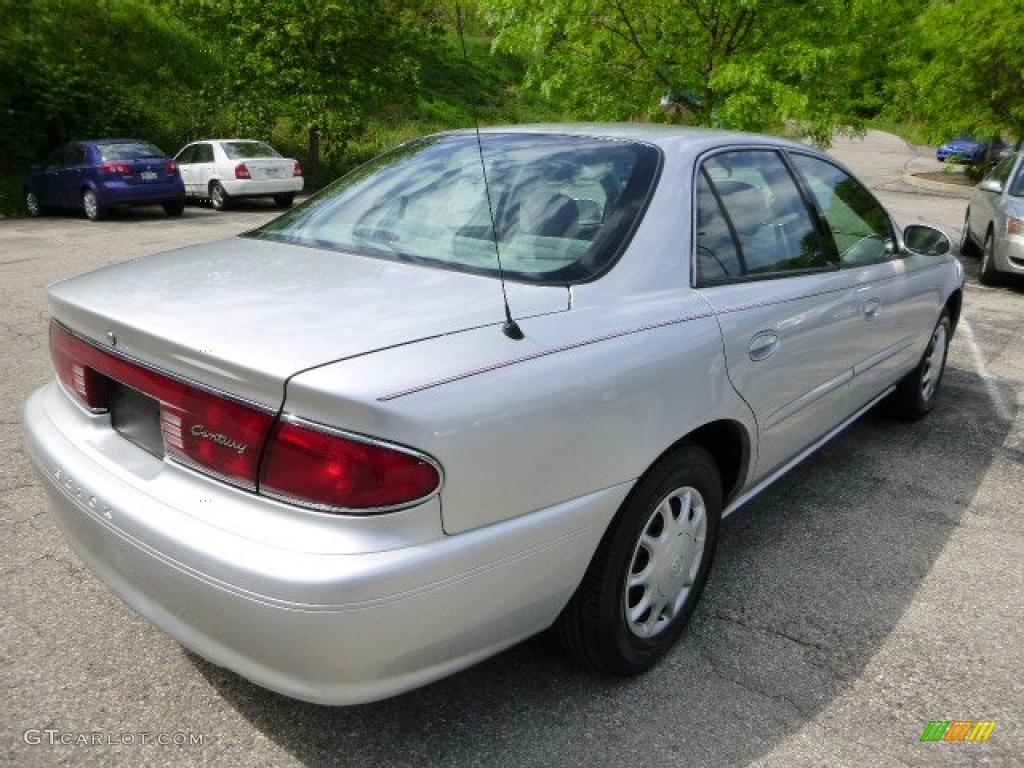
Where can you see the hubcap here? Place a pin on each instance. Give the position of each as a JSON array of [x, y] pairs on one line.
[[933, 362], [665, 562], [91, 204]]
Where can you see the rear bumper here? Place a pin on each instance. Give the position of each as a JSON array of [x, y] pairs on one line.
[[326, 609], [262, 187], [114, 193]]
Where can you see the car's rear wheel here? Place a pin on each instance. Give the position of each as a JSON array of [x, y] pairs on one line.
[[988, 274], [650, 568], [915, 394], [91, 205], [967, 246], [174, 207], [219, 199], [32, 205], [284, 200]]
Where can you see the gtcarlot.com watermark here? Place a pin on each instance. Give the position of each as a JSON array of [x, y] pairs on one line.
[[56, 737]]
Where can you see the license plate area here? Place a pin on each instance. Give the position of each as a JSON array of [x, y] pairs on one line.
[[148, 175], [136, 417]]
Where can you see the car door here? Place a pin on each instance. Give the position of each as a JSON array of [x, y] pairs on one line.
[[47, 184], [185, 159], [984, 208], [205, 168], [789, 316], [896, 291], [71, 175]]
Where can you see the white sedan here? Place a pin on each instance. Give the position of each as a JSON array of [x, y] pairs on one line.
[[221, 170], [483, 386]]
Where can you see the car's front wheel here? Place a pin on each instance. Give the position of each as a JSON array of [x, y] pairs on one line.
[[650, 568], [219, 198], [988, 274], [91, 205], [915, 394]]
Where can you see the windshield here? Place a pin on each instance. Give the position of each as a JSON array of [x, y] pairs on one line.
[[563, 206], [128, 150], [241, 150]]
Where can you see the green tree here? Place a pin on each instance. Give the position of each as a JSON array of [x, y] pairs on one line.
[[964, 69], [320, 66], [746, 64]]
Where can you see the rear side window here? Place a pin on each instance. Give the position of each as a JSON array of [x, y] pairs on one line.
[[752, 195], [859, 225]]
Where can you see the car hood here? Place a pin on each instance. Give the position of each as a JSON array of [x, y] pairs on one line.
[[960, 144], [242, 315]]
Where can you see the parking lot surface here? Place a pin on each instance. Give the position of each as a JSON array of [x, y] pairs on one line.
[[873, 590]]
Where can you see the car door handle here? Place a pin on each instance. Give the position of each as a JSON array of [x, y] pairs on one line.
[[763, 345], [871, 309]]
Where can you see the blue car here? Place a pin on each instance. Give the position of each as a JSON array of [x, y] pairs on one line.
[[968, 151], [98, 175]]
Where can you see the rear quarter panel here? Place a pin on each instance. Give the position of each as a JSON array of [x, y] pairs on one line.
[[587, 401]]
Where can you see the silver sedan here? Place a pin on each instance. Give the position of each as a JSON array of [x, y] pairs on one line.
[[486, 385], [994, 222]]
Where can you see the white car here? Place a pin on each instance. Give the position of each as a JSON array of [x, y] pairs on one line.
[[220, 170], [433, 411]]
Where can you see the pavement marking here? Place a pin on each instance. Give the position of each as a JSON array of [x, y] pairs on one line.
[[1003, 409]]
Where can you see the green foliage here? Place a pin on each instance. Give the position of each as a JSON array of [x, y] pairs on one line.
[[962, 69], [746, 64], [80, 68]]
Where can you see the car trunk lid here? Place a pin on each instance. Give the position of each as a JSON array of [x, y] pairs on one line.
[[243, 315]]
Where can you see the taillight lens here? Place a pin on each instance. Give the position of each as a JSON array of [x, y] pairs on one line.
[[316, 467], [1014, 226], [172, 166], [208, 431], [297, 170], [242, 171], [116, 169], [302, 463]]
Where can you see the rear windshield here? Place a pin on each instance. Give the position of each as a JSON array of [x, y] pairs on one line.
[[128, 150], [562, 207], [241, 150]]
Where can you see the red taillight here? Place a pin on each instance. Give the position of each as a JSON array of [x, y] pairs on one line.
[[1014, 226], [172, 166], [326, 470], [303, 464], [297, 170], [116, 169], [211, 432], [242, 171]]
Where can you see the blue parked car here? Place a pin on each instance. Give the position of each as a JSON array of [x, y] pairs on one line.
[[969, 151], [98, 175]]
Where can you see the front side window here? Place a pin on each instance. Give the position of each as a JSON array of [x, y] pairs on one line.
[[1002, 170], [752, 194], [859, 225], [204, 153], [559, 209], [1016, 187]]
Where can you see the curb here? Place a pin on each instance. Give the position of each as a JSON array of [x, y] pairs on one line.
[[949, 190]]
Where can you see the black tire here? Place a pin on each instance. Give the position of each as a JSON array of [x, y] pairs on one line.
[[91, 206], [219, 199], [174, 207], [609, 625], [915, 394], [284, 200], [967, 246], [32, 205], [987, 273]]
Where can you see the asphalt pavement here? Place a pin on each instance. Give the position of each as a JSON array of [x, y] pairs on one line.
[[875, 589]]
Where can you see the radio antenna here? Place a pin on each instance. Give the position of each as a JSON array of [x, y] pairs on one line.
[[511, 327]]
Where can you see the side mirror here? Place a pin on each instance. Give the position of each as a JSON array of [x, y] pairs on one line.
[[991, 185], [928, 241]]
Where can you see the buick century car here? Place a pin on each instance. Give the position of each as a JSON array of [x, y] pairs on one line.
[[486, 385]]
